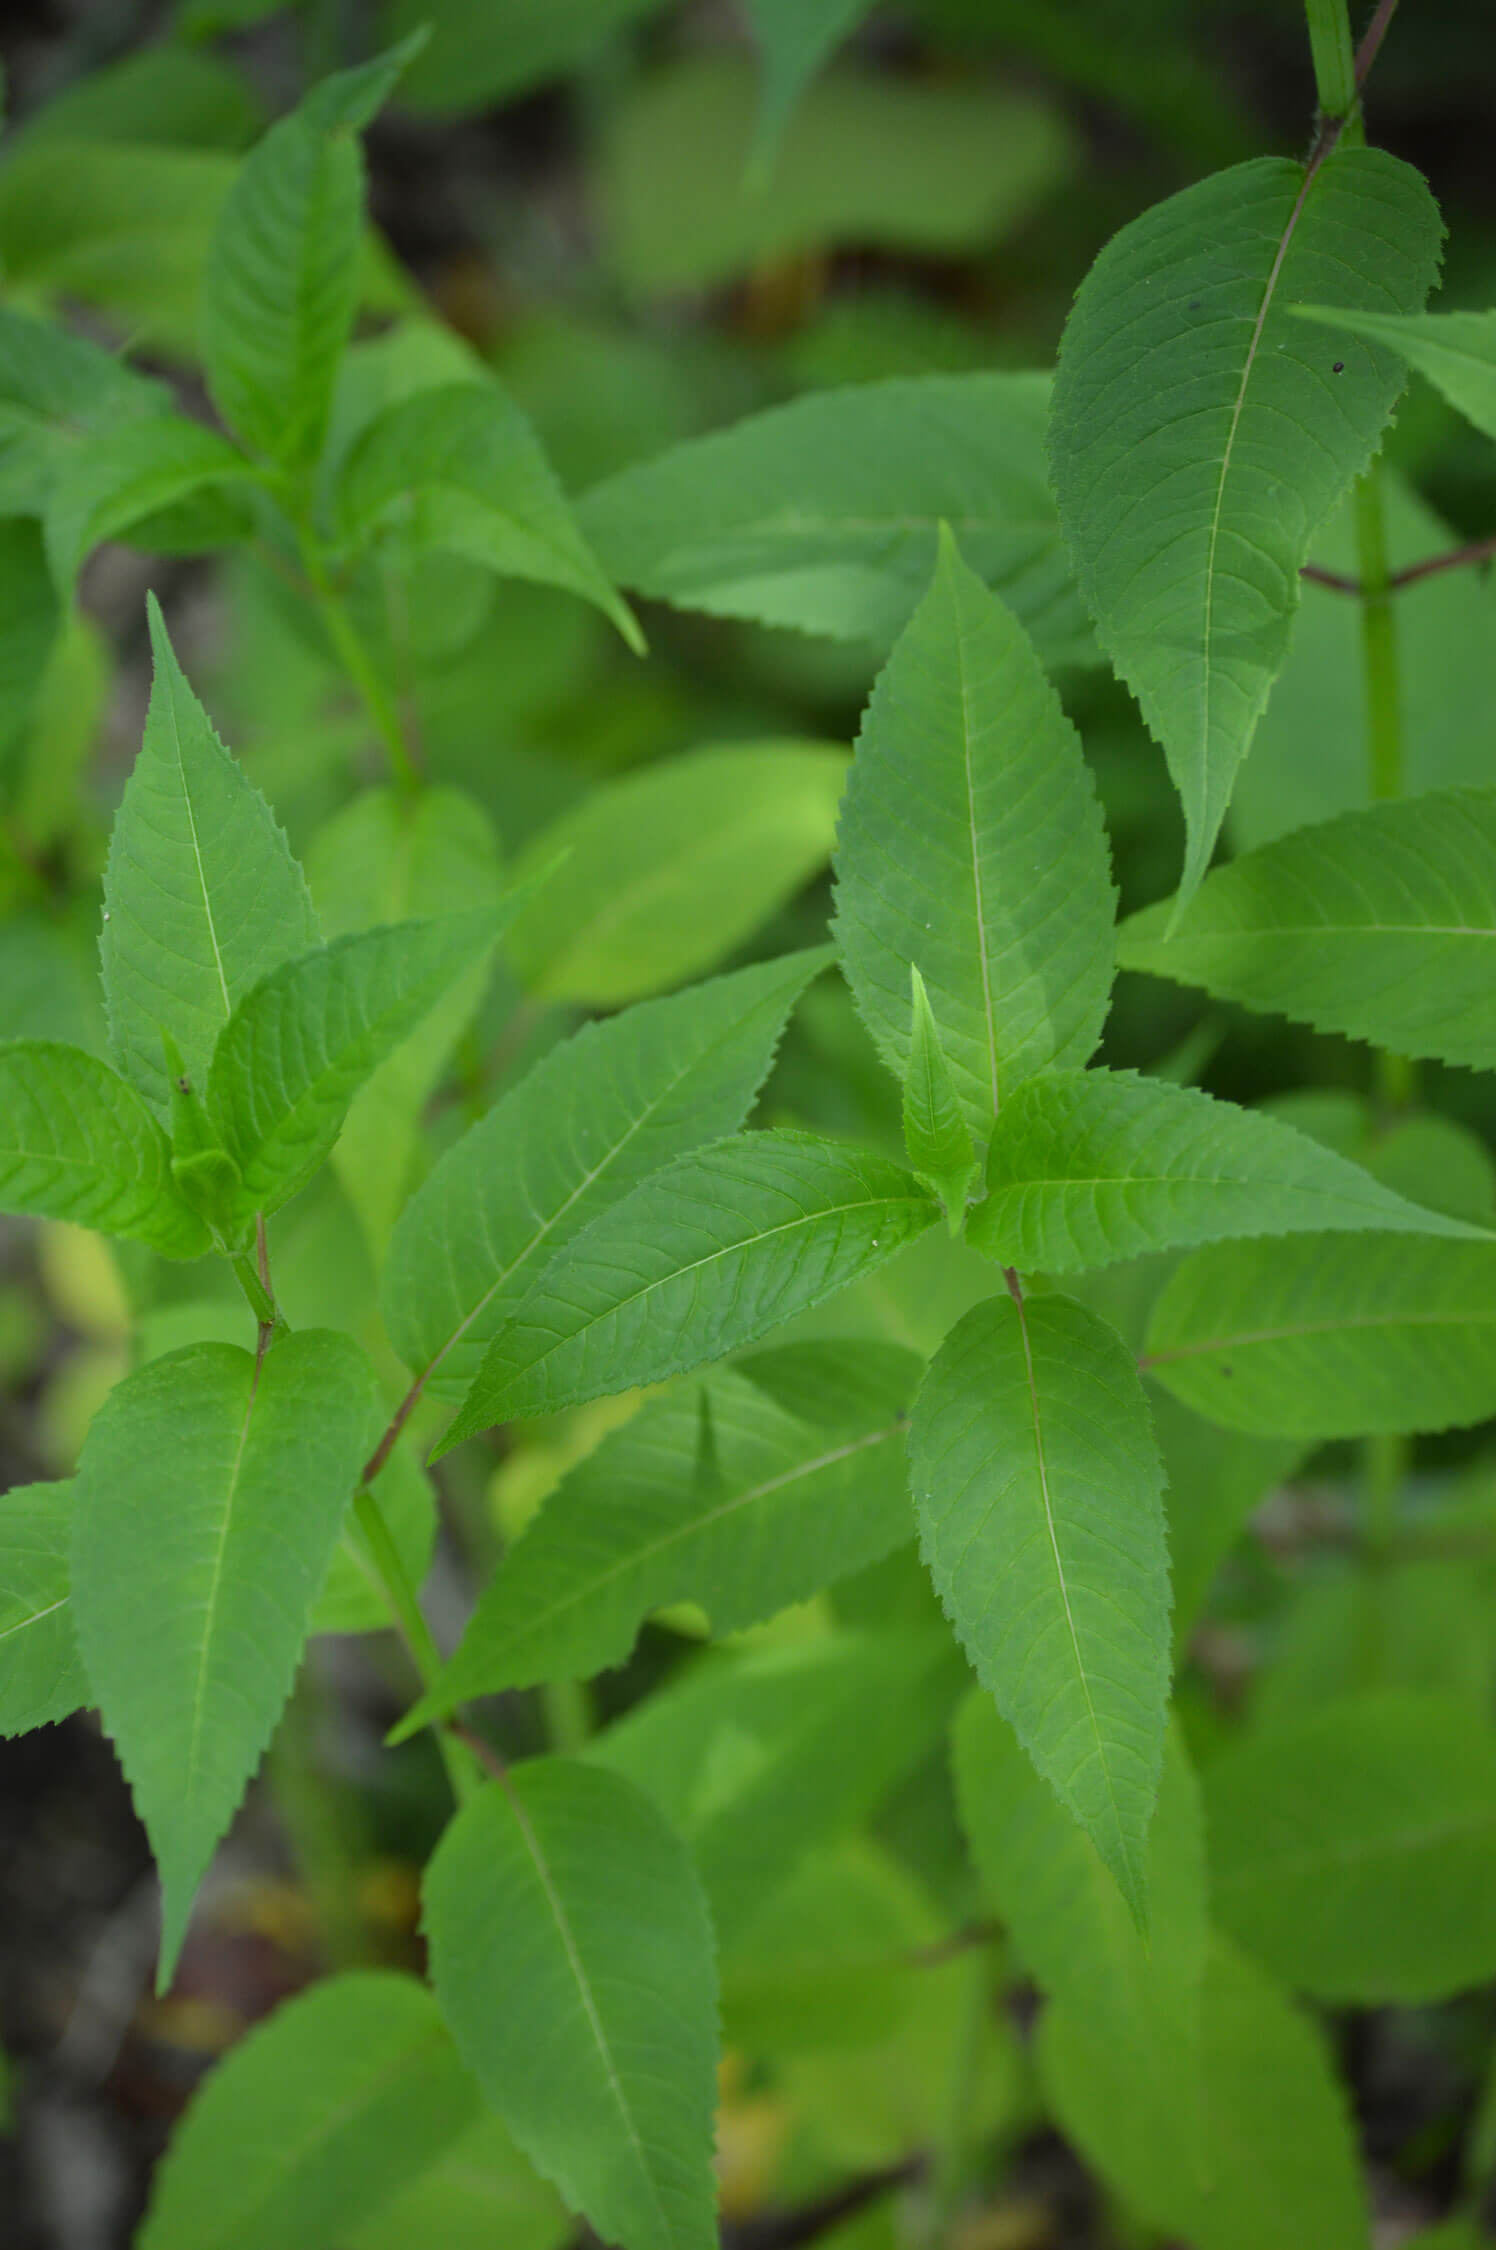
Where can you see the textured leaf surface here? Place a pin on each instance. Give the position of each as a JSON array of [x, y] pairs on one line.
[[1088, 1166], [707, 1254], [1455, 350], [209, 1496], [384, 859], [574, 1960], [721, 1494], [1070, 1922], [282, 277], [936, 1138], [54, 388], [461, 469], [77, 1143], [1354, 1852], [760, 1755], [302, 1043], [1039, 1496], [324, 2111], [1200, 434], [590, 1121], [41, 1677], [823, 514], [201, 894], [123, 475], [668, 870], [971, 845], [1381, 923], [1278, 2162], [1330, 1336]]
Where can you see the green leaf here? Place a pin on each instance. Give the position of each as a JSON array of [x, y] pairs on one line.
[[761, 1755], [481, 2192], [481, 56], [824, 514], [353, 1597], [1216, 1478], [1354, 1852], [1420, 1625], [573, 1958], [1331, 1337], [1278, 2162], [832, 1960], [345, 2094], [41, 1677], [298, 1047], [458, 469], [593, 1118], [116, 479], [29, 621], [1039, 1495], [282, 279], [1088, 1166], [720, 1494], [386, 859], [971, 843], [707, 1254], [1455, 350], [936, 1139], [670, 869], [1200, 435], [208, 1501], [54, 388], [794, 38], [77, 1143], [973, 162], [1066, 1915], [1376, 924], [201, 894]]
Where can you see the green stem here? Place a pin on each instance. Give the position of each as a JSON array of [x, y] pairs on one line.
[[462, 1771], [261, 1303], [359, 666], [1334, 56], [1385, 1462], [1396, 1079], [569, 1718]]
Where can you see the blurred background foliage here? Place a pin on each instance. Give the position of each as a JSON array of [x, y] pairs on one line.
[[651, 218]]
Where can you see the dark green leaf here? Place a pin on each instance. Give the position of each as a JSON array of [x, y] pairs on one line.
[[41, 1677]]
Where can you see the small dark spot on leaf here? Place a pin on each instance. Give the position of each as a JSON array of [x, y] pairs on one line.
[[1338, 367], [1228, 1370], [185, 1085], [1194, 304]]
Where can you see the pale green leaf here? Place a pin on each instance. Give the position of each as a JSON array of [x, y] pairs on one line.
[[1455, 350], [1412, 1624], [480, 56], [870, 158], [480, 2193], [201, 894], [573, 1958], [794, 38], [832, 1960], [761, 1755], [457, 468], [298, 1047], [163, 94], [1090, 1165], [1039, 1495], [77, 1143], [208, 1501], [112, 481], [1278, 2162], [1200, 435], [41, 1677], [720, 1494], [55, 388], [1308, 757], [1331, 1336], [384, 858], [971, 843], [936, 1139], [668, 870], [593, 1118], [705, 1255], [824, 514], [1380, 923], [1354, 1852], [1069, 1921], [325, 2111], [353, 1597], [282, 279]]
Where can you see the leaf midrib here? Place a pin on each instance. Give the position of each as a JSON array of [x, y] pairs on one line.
[[215, 1587]]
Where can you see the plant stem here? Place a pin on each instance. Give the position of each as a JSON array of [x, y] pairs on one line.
[[1334, 57], [406, 1611], [359, 666], [568, 1714], [1383, 686]]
